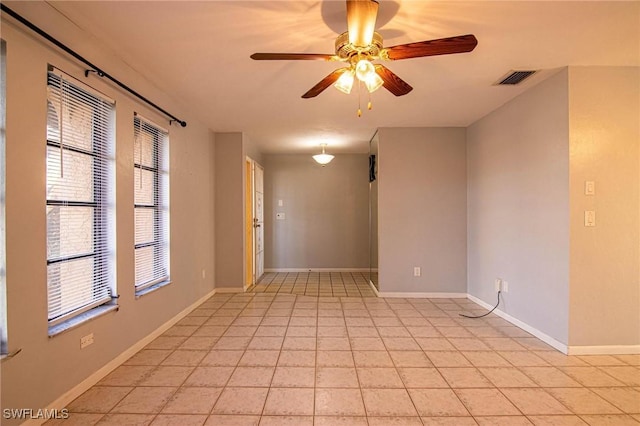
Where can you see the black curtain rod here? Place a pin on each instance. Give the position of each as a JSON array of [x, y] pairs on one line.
[[94, 68]]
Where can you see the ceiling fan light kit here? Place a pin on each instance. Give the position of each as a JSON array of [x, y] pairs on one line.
[[361, 45]]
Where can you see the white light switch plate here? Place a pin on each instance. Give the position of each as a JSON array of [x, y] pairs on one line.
[[589, 188]]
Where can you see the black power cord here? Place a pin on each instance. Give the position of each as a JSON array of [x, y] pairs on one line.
[[484, 315]]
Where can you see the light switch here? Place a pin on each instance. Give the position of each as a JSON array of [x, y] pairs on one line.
[[279, 216], [280, 203], [589, 188], [589, 218]]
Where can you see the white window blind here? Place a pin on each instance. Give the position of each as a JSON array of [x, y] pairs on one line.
[[79, 138], [151, 180]]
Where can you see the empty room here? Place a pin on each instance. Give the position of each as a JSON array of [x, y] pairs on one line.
[[330, 212]]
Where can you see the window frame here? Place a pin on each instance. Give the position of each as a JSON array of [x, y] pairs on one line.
[[101, 165], [160, 205]]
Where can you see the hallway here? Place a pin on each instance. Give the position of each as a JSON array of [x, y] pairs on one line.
[[337, 284]]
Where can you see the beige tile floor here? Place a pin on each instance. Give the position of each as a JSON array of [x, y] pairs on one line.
[[285, 359], [336, 284]]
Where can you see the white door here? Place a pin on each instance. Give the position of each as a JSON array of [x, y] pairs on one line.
[[259, 220]]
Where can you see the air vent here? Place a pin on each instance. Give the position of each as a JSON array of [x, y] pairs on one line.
[[515, 77]]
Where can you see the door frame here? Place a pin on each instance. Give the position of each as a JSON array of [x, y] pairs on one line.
[[249, 275], [250, 278]]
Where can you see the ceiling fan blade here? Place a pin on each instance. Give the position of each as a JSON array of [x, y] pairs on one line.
[[361, 21], [292, 56], [392, 82], [324, 83], [441, 46]]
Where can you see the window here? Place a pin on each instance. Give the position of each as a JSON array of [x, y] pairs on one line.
[[3, 293], [79, 165], [151, 180]]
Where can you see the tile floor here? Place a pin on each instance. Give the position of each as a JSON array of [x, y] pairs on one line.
[[284, 359], [336, 284]]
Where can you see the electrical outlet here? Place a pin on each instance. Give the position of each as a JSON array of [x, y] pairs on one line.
[[416, 271], [86, 341], [505, 287], [589, 218], [497, 284]]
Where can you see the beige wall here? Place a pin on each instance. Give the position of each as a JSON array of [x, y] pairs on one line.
[[528, 162], [604, 117], [373, 206], [229, 217], [422, 212], [326, 210], [47, 367], [518, 183]]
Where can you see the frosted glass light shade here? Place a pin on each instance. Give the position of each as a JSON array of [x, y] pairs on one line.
[[323, 158], [345, 82], [373, 82], [364, 69]]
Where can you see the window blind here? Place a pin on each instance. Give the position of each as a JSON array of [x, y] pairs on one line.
[[151, 180], [79, 138]]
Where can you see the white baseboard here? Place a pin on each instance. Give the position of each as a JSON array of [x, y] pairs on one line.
[[87, 383], [375, 290], [526, 327], [229, 290], [318, 270], [605, 350], [422, 295]]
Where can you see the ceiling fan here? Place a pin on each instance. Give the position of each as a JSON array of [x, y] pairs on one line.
[[361, 45]]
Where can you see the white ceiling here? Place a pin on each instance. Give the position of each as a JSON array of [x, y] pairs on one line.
[[199, 53]]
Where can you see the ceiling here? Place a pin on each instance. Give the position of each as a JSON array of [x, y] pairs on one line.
[[198, 52]]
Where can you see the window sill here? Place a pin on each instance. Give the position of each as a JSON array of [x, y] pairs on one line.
[[152, 288], [5, 357], [81, 319]]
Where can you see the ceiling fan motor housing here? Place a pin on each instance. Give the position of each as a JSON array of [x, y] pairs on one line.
[[345, 50]]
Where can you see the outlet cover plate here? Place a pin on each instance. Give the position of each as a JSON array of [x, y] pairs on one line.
[[86, 341]]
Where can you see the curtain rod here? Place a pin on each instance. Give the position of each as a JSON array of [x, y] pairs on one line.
[[94, 68]]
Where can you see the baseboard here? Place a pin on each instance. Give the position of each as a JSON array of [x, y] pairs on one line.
[[605, 350], [94, 378], [229, 290], [375, 290], [319, 270], [393, 294], [526, 327]]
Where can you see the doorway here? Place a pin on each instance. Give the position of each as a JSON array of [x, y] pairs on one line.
[[254, 222]]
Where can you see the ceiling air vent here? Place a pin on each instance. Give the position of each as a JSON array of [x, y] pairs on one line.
[[515, 77]]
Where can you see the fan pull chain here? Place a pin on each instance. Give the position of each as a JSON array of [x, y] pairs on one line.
[[369, 105], [359, 110]]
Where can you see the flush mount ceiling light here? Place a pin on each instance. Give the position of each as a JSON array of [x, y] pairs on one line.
[[323, 158]]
